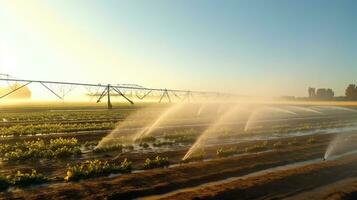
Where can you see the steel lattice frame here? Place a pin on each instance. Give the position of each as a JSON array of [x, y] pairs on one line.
[[106, 89]]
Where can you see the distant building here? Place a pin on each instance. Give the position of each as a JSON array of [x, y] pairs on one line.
[[321, 93]]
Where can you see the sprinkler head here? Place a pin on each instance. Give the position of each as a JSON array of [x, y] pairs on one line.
[[184, 160]]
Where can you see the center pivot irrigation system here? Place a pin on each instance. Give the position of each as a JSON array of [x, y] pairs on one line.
[[106, 90]]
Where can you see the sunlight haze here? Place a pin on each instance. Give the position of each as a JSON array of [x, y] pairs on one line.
[[277, 48]]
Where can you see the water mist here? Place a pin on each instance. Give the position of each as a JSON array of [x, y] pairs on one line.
[[211, 131], [305, 109], [342, 143], [261, 111], [125, 131], [158, 121]]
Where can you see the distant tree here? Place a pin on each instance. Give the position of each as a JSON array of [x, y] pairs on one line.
[[329, 93], [351, 92], [311, 92]]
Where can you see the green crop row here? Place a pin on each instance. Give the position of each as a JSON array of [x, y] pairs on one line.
[[226, 152], [62, 115], [233, 150], [96, 168], [30, 129], [84, 170], [36, 149], [158, 162], [117, 147], [183, 136], [21, 179]]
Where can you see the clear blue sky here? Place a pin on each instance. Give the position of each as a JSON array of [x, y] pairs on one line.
[[254, 47]]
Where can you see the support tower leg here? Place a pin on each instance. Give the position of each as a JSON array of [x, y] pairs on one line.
[[110, 106]]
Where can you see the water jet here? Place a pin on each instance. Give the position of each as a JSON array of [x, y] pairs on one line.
[[305, 109], [149, 129], [337, 108], [341, 143], [210, 131], [260, 111]]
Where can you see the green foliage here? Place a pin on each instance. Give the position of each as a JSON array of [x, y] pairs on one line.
[[113, 147], [158, 162], [163, 143], [311, 140], [129, 147], [21, 179], [148, 139], [278, 144], [144, 145], [351, 92], [96, 168], [33, 129], [37, 149], [186, 136], [117, 147], [293, 142], [265, 143], [60, 115], [226, 152], [255, 148], [4, 183], [89, 144], [26, 179], [258, 147]]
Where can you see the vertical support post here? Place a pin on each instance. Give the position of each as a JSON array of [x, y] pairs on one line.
[[168, 96], [162, 96], [165, 93], [110, 106]]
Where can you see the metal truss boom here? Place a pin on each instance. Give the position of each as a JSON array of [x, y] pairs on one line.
[[107, 88], [7, 94]]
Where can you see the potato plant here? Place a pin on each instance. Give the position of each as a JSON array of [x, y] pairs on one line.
[[226, 152], [25, 179], [30, 129], [163, 143], [144, 145], [20, 179], [37, 149], [256, 148], [148, 139], [62, 115], [311, 140], [4, 183], [96, 168], [187, 136], [278, 144], [118, 147], [158, 162]]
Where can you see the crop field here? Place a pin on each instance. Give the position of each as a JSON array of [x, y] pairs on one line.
[[170, 99], [178, 151]]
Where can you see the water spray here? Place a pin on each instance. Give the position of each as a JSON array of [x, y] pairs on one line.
[[338, 108], [149, 129], [210, 131], [306, 109], [261, 110]]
